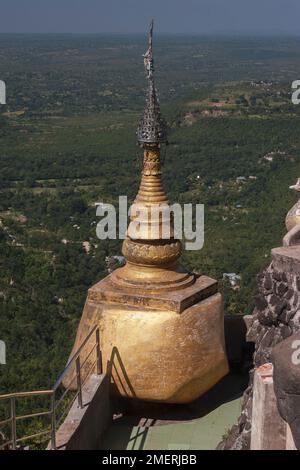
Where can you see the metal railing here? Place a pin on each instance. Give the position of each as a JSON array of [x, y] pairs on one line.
[[77, 378]]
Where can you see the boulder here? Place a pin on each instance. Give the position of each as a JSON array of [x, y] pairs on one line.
[[286, 361]]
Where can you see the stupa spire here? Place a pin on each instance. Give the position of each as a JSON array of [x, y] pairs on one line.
[[151, 256], [151, 134], [152, 128]]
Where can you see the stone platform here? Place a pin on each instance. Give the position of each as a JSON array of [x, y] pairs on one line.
[[196, 426]]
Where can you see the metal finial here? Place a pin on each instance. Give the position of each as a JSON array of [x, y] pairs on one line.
[[148, 56], [152, 128]]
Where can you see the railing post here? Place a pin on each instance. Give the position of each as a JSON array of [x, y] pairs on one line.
[[13, 422], [98, 353], [78, 375], [53, 422]]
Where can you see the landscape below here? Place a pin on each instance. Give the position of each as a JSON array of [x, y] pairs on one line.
[[68, 141]]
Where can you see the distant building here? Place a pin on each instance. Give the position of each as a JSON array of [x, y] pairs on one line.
[[233, 278]]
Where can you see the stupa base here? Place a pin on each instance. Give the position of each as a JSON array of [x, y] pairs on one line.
[[152, 280]]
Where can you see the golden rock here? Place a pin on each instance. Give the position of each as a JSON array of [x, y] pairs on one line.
[[166, 347]]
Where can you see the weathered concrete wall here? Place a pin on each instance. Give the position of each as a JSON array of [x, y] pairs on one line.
[[268, 430], [83, 429]]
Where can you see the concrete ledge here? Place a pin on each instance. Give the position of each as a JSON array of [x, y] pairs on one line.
[[287, 259], [83, 429]]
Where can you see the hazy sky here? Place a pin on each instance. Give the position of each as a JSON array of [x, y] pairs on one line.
[[174, 16]]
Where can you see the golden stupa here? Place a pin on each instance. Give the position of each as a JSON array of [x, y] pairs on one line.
[[161, 327]]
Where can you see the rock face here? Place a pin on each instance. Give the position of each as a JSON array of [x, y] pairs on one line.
[[286, 360], [275, 318]]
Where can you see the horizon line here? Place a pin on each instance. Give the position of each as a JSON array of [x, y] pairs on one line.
[[137, 33]]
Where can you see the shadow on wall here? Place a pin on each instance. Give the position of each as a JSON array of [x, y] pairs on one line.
[[238, 350], [118, 376]]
